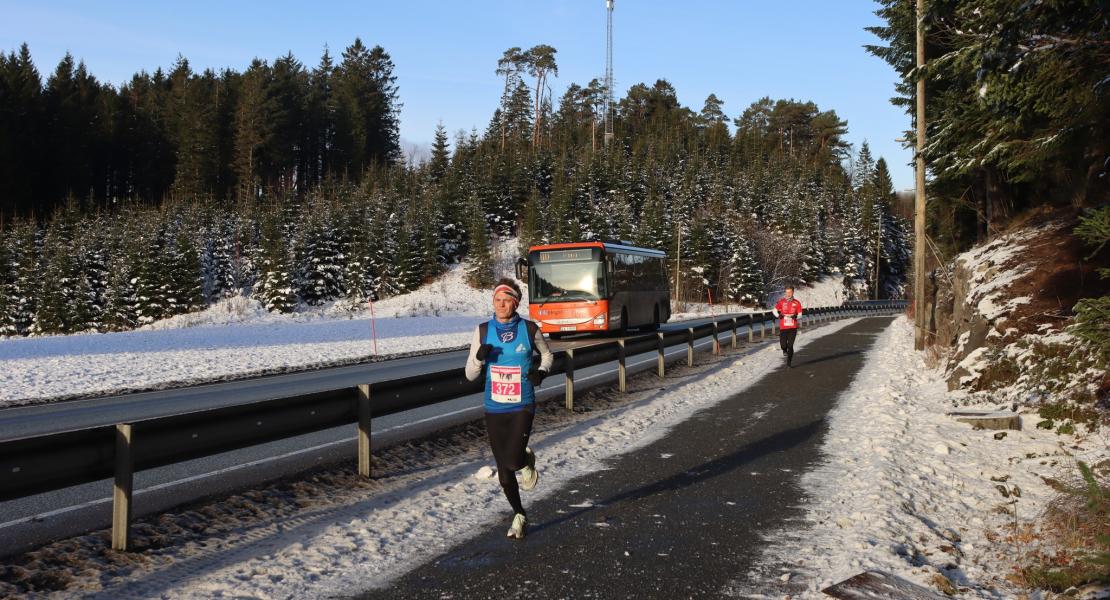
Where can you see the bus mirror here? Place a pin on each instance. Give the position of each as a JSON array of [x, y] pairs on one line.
[[522, 269]]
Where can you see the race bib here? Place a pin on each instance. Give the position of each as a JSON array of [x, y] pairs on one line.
[[788, 321], [504, 384]]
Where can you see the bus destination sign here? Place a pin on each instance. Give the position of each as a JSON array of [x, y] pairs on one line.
[[551, 256]]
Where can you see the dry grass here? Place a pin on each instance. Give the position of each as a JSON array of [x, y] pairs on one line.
[[1074, 534]]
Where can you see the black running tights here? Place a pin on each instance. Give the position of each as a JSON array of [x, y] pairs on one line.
[[508, 437], [786, 340]]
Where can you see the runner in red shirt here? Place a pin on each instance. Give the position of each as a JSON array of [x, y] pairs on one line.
[[788, 309]]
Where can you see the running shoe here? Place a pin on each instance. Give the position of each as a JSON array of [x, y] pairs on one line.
[[516, 531], [530, 476]]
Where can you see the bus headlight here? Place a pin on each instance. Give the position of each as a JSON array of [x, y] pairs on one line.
[[600, 319]]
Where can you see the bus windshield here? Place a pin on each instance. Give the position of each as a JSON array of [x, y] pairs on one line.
[[566, 281]]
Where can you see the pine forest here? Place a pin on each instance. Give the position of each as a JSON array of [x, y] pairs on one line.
[[285, 183]]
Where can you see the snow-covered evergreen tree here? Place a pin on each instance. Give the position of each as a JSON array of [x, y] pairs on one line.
[[358, 277], [275, 281], [95, 272], [24, 244], [7, 278], [185, 291], [855, 252], [427, 227], [409, 271], [745, 280], [220, 258], [479, 273]]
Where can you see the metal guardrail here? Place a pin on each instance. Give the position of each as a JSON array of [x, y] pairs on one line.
[[43, 463]]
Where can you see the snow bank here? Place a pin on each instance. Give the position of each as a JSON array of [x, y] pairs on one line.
[[905, 489], [994, 267], [828, 291], [1007, 346]]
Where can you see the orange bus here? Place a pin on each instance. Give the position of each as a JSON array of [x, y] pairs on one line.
[[596, 286]]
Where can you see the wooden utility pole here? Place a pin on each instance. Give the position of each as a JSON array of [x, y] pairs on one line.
[[878, 253], [919, 203], [678, 274]]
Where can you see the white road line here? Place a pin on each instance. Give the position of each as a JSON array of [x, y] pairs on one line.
[[427, 419]]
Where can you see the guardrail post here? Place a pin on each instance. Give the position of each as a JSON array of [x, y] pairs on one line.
[[622, 371], [734, 333], [716, 338], [689, 346], [121, 490], [751, 332], [569, 374], [661, 361], [762, 330], [364, 430]]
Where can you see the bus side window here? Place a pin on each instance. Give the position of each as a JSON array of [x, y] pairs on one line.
[[651, 274], [628, 283]]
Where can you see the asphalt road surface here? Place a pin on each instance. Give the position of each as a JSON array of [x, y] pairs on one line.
[[680, 518]]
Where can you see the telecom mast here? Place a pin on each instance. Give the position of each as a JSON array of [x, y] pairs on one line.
[[609, 73]]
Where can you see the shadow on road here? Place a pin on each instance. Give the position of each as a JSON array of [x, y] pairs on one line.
[[777, 442], [829, 357]]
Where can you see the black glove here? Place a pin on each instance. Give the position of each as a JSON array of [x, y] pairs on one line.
[[483, 352], [536, 376]]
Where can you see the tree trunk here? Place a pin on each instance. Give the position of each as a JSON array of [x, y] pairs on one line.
[[996, 201], [539, 97]]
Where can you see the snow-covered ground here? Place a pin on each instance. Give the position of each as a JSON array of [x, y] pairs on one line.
[[908, 490], [334, 534], [238, 338], [828, 291]]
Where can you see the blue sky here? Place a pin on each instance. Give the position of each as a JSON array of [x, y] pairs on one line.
[[445, 52]]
